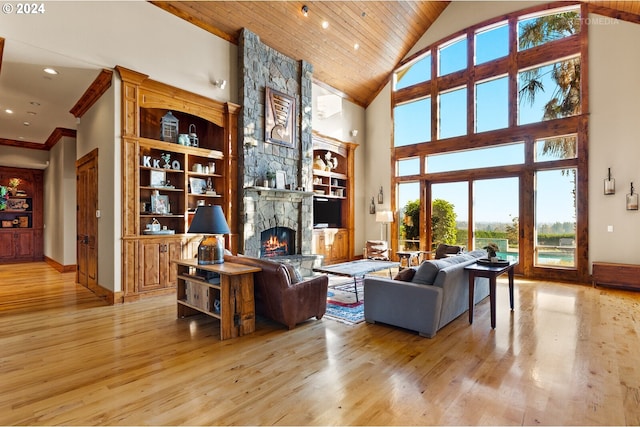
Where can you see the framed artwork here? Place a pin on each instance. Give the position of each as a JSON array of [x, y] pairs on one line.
[[281, 179], [198, 185], [632, 202], [160, 204], [157, 178], [279, 118]]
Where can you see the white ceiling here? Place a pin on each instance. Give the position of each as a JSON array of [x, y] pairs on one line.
[[35, 97], [81, 38]]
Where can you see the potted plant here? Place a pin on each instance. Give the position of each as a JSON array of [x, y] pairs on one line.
[[4, 196], [13, 185], [492, 250], [271, 180]]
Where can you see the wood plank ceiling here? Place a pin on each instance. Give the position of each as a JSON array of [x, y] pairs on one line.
[[384, 31]]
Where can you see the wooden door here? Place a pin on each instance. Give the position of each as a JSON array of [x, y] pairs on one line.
[[86, 220]]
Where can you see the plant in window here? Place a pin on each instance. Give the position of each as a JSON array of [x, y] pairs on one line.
[[565, 101]]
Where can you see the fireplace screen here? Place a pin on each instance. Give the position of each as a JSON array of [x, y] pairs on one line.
[[277, 241]]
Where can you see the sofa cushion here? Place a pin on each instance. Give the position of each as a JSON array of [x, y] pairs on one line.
[[428, 270], [478, 253], [405, 275]]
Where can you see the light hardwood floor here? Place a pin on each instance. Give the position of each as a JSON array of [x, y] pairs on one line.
[[568, 354]]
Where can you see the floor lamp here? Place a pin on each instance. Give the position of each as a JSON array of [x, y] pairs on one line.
[[384, 218]]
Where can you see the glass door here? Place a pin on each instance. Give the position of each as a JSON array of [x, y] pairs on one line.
[[450, 214], [495, 215]]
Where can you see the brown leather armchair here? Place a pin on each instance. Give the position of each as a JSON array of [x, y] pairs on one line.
[[282, 298]]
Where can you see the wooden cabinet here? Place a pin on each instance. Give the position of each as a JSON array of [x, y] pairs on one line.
[[165, 179], [333, 244], [154, 264], [333, 187], [21, 216], [223, 291], [625, 276]]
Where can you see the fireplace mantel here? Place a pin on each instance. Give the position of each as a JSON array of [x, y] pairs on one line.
[[279, 193]]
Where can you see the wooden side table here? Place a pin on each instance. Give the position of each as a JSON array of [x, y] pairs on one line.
[[233, 290], [491, 272]]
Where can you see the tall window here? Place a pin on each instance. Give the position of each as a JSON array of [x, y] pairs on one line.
[[512, 119]]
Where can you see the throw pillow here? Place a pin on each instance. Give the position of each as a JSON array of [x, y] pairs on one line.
[[405, 275], [292, 274], [426, 273]]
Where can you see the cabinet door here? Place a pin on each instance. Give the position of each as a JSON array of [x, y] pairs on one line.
[[24, 244], [339, 247], [151, 261], [319, 244], [154, 268], [7, 247], [174, 251]]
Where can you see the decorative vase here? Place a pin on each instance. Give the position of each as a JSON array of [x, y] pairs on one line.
[[319, 163]]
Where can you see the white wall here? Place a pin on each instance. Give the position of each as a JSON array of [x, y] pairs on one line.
[[613, 138], [60, 203], [348, 117], [99, 129], [17, 157]]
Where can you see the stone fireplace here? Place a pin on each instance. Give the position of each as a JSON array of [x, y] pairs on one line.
[[262, 209], [285, 215]]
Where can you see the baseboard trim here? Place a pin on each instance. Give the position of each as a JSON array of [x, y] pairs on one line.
[[61, 268]]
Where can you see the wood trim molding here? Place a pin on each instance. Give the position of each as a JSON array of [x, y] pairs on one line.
[[93, 93], [57, 135], [61, 268], [22, 144], [1, 51], [613, 13]]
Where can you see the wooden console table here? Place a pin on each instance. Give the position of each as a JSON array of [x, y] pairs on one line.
[[625, 276], [231, 285]]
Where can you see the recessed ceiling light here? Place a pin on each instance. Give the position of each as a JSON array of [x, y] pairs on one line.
[[26, 123], [31, 113], [35, 104], [325, 24], [50, 71], [356, 46], [305, 10], [8, 111]]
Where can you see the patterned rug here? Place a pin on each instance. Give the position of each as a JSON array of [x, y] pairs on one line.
[[341, 302]]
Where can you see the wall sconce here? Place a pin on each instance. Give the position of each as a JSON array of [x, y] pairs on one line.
[[380, 196], [609, 184], [354, 133], [304, 10], [632, 200], [372, 207], [220, 84]]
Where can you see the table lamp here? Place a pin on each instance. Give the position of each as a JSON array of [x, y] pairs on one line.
[[210, 221]]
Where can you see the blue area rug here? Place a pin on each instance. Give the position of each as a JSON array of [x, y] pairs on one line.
[[342, 305]]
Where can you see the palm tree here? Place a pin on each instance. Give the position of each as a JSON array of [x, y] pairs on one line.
[[565, 101]]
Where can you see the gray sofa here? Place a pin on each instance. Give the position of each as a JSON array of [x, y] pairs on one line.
[[437, 292]]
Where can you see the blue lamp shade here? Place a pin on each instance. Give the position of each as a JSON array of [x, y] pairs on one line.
[[210, 221]]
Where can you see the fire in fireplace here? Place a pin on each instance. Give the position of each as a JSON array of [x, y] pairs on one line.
[[277, 241]]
